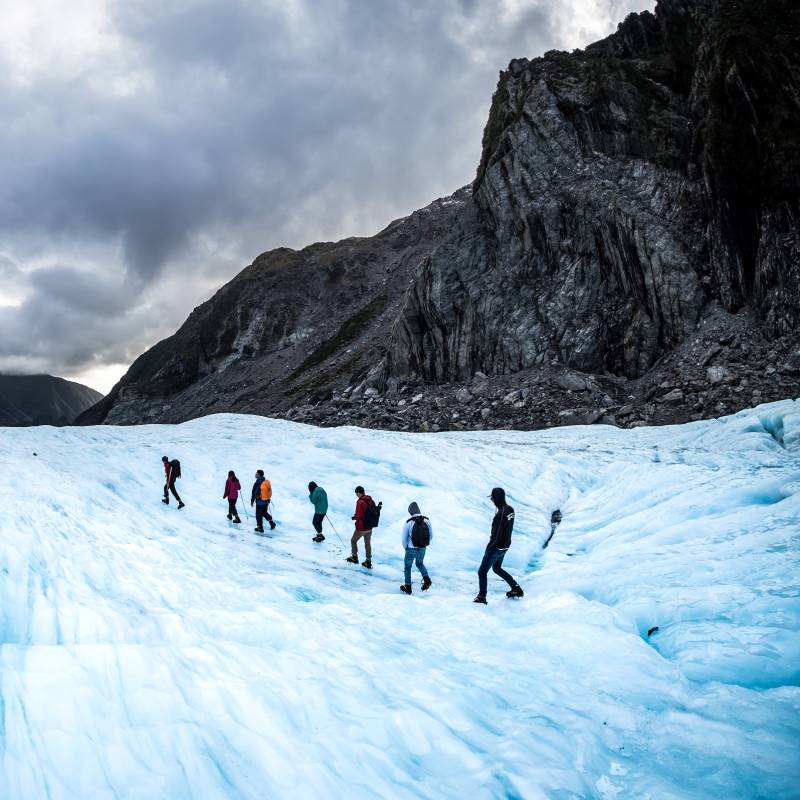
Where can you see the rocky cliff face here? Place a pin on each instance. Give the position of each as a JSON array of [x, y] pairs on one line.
[[621, 189], [633, 222]]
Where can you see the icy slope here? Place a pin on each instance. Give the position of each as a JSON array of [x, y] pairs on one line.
[[150, 653]]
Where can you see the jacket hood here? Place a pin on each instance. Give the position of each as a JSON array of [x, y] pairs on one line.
[[499, 497], [413, 510]]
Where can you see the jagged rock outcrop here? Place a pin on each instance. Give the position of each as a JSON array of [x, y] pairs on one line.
[[43, 400], [621, 189], [635, 210]]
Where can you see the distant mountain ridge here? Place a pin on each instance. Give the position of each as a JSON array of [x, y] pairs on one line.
[[629, 252], [43, 400]]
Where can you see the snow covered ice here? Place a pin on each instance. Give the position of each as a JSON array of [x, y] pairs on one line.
[[150, 653]]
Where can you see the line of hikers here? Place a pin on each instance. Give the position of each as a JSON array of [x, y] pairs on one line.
[[417, 531]]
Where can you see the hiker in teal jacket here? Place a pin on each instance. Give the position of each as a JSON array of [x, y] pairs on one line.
[[317, 496]]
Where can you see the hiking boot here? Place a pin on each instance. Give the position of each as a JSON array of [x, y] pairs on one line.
[[271, 525], [405, 588], [181, 505], [318, 538], [515, 592], [352, 559], [426, 583], [237, 521], [259, 530], [165, 501], [480, 599], [367, 564], [229, 516]]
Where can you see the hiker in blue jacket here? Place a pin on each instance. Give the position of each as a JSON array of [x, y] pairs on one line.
[[417, 535], [318, 497]]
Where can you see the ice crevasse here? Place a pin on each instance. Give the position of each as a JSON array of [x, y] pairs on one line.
[[150, 653]]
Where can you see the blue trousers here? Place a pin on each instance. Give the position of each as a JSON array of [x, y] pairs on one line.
[[493, 560], [415, 554]]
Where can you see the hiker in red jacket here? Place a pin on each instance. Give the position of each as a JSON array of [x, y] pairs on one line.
[[366, 518], [172, 471], [232, 489]]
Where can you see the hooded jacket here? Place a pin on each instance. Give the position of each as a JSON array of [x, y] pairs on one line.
[[502, 524], [232, 489]]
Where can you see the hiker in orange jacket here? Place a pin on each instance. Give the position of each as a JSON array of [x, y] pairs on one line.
[[261, 496]]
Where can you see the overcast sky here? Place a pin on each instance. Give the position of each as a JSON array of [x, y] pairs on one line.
[[150, 149]]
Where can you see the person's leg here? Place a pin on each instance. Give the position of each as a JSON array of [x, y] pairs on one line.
[[354, 542], [260, 515], [420, 558], [231, 507], [497, 568], [367, 544], [166, 492], [174, 491], [483, 572], [317, 522], [407, 562]]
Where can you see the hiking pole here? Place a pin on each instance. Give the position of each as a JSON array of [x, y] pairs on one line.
[[334, 530]]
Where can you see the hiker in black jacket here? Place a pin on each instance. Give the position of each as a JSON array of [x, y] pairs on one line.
[[499, 542]]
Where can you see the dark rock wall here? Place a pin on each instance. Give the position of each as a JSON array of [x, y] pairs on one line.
[[620, 189]]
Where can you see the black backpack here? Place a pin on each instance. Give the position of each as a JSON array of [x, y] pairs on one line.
[[174, 468], [420, 535], [372, 515]]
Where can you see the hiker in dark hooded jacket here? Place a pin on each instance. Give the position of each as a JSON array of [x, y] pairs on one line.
[[499, 542], [172, 471], [417, 535]]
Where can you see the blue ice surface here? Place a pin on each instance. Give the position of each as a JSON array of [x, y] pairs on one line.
[[152, 653]]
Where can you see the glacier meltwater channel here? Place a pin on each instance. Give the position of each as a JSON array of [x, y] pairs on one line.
[[147, 652]]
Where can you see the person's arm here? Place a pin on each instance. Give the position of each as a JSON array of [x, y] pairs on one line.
[[494, 536], [407, 534], [225, 493], [430, 529]]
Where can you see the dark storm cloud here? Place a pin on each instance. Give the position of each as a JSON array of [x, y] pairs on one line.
[[231, 126]]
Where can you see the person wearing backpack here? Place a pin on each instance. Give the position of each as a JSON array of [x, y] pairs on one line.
[[232, 489], [319, 499], [261, 495], [172, 471], [367, 517], [417, 535], [499, 542]]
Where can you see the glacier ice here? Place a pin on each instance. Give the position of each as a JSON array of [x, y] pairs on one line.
[[150, 653]]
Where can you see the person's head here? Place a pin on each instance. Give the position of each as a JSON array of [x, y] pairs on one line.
[[259, 473], [164, 459], [360, 491], [311, 486], [231, 474], [499, 496], [413, 510]]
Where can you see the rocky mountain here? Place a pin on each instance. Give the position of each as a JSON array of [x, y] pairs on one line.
[[629, 252], [42, 400]]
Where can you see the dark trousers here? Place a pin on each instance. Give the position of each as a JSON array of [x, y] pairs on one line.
[[232, 508], [317, 522], [493, 559], [171, 487], [262, 513]]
